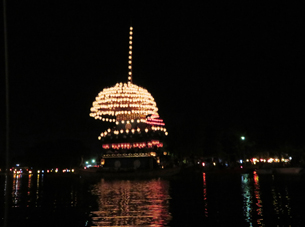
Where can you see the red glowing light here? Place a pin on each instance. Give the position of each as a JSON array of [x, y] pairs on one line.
[[154, 121], [148, 144]]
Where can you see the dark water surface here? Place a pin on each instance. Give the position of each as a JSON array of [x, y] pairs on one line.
[[205, 199]]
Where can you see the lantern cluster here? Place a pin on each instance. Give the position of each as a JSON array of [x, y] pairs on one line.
[[123, 99], [140, 145]]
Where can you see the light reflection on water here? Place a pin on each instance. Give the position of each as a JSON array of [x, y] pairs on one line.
[[132, 202], [252, 203], [269, 202], [35, 200], [209, 199], [205, 202]]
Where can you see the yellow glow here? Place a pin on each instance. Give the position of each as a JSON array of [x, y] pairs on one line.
[[270, 160], [126, 102]]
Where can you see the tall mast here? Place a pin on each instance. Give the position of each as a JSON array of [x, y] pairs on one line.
[[130, 56]]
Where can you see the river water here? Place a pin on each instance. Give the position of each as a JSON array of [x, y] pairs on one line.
[[201, 199]]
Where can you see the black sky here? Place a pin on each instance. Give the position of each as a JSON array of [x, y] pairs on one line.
[[233, 66]]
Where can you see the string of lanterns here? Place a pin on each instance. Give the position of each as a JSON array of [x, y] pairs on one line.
[[133, 145], [123, 99]]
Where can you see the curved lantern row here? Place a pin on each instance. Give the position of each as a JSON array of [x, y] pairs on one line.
[[123, 99], [140, 145]]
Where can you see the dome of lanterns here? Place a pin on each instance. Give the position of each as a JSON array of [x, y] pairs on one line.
[[138, 131], [123, 99]]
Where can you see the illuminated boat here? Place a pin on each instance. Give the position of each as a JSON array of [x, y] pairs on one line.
[[135, 139]]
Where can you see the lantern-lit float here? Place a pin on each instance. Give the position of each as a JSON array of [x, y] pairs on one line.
[[135, 139]]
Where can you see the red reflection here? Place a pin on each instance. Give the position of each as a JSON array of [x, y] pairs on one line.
[[132, 203], [205, 196]]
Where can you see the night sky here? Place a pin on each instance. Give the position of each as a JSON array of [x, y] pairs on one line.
[[233, 67]]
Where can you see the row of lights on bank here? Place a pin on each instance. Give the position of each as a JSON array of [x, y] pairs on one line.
[[42, 171]]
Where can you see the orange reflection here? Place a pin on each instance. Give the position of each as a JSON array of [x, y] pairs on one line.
[[281, 202], [258, 198], [125, 203]]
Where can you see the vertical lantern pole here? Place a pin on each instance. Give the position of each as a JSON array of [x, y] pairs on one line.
[[130, 56]]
